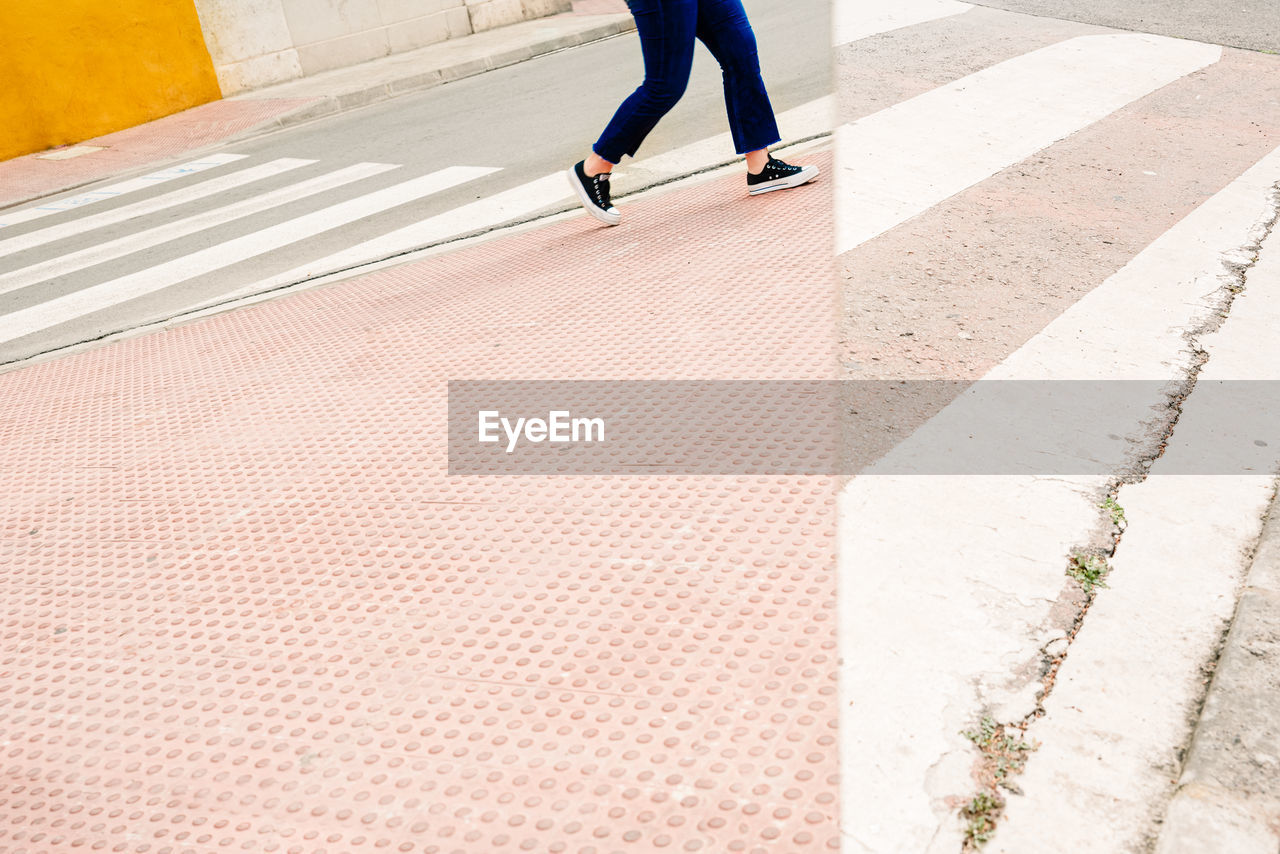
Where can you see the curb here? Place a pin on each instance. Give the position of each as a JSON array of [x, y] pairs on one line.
[[459, 241], [1228, 796]]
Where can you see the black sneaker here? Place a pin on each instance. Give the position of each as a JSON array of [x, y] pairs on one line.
[[777, 175], [594, 194]]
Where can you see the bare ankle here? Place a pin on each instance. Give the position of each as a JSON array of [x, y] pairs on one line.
[[595, 165], [757, 160]]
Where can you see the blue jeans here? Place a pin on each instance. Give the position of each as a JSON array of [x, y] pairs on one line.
[[667, 31]]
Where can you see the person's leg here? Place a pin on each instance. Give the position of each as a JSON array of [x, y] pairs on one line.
[[757, 159], [666, 29], [723, 27]]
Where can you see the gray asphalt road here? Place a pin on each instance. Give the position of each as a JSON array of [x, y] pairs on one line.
[[1251, 24], [527, 121]]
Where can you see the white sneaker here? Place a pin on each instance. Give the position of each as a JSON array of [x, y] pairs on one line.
[[777, 175]]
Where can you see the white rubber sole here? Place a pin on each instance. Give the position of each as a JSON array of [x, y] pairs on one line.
[[604, 216], [804, 176]]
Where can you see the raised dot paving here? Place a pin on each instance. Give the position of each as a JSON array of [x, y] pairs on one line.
[[243, 606]]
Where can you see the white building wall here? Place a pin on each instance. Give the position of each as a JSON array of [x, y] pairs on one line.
[[255, 43]]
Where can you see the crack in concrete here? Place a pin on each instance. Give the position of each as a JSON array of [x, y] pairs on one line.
[[1236, 265]]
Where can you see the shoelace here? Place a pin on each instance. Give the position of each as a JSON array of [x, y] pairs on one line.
[[779, 168], [600, 184]]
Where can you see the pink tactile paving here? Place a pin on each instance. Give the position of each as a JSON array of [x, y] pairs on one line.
[[244, 608], [30, 177]]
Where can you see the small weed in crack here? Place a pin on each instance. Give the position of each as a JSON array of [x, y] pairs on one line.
[[1004, 753], [1088, 570], [1116, 512], [983, 734], [981, 814]]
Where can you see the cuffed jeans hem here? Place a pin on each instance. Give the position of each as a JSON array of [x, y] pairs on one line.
[[610, 160], [758, 147]]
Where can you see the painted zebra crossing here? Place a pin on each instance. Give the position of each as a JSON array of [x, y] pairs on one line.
[[37, 259], [112, 191], [905, 159], [68, 242], [50, 277], [139, 240], [1042, 202], [79, 303]]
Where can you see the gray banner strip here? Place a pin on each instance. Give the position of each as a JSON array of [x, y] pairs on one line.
[[777, 427]]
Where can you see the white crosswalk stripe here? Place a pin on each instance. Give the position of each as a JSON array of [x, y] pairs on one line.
[[907, 158], [80, 303], [116, 190], [501, 207], [138, 241], [203, 190]]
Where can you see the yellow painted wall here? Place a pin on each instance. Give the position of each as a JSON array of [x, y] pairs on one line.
[[71, 70]]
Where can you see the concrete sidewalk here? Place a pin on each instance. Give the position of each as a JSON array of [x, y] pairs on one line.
[[34, 176], [250, 609]]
